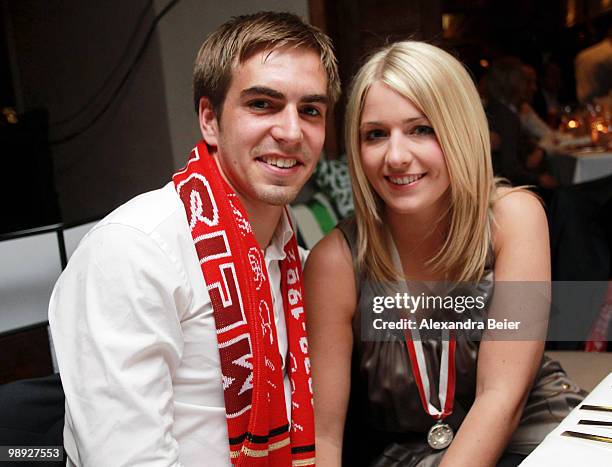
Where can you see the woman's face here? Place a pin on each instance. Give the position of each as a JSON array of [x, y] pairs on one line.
[[400, 154]]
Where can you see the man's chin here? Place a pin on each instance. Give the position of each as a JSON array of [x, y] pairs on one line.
[[278, 196]]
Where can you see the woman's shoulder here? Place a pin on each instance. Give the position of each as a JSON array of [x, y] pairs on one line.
[[348, 228], [516, 211], [332, 253], [511, 204]]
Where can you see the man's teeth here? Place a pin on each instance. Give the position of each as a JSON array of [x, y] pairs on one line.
[[280, 162], [405, 180]]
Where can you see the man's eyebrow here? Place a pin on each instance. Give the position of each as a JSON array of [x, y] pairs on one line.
[[314, 98], [262, 90], [274, 94]]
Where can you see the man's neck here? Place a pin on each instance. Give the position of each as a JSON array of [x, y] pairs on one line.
[[264, 219]]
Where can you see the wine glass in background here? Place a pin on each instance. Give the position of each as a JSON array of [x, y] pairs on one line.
[[601, 129], [572, 122]]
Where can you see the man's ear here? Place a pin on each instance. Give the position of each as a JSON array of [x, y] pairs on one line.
[[207, 118]]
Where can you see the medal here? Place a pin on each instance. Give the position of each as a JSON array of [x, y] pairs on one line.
[[440, 434]]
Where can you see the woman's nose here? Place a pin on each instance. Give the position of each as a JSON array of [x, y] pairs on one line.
[[398, 154]]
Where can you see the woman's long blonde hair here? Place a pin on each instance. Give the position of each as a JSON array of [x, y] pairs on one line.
[[440, 87]]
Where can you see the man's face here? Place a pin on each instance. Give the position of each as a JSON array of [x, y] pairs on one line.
[[272, 126]]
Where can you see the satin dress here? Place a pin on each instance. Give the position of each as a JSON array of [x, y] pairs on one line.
[[386, 422]]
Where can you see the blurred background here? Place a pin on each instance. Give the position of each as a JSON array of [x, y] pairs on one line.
[[96, 96]]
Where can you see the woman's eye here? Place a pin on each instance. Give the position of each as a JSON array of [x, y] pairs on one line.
[[372, 135], [423, 130]]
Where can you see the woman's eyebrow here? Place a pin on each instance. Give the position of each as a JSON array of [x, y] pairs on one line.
[[408, 120]]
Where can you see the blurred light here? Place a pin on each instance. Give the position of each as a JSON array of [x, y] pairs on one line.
[[572, 124], [452, 24], [10, 115], [446, 21], [484, 63], [601, 128], [570, 17]]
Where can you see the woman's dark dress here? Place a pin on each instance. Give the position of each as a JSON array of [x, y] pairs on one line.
[[386, 423]]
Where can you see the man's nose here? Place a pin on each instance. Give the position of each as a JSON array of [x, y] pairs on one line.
[[288, 127]]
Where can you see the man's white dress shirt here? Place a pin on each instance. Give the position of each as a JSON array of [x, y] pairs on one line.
[[134, 332]]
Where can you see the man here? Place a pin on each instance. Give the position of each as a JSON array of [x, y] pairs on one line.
[[178, 323], [534, 126], [513, 155], [593, 69], [546, 101]]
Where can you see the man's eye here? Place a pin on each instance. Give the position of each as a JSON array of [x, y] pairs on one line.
[[373, 135], [259, 104], [423, 130], [311, 111]]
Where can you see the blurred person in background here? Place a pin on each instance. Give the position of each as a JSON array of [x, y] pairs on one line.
[[593, 68], [546, 100], [514, 157]]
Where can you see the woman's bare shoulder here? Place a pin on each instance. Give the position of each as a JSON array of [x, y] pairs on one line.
[[332, 253], [517, 213], [512, 204]]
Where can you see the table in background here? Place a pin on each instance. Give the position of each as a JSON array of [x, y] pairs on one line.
[[582, 166], [30, 262], [563, 451]]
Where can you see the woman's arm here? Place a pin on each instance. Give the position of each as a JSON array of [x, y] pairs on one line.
[[506, 369], [330, 304]]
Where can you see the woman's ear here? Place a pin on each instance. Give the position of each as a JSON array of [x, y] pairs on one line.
[[207, 118]]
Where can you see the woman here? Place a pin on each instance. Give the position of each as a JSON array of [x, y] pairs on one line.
[[427, 209]]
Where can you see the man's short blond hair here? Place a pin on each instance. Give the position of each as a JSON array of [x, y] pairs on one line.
[[242, 36]]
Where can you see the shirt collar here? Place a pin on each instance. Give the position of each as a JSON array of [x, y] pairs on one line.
[[282, 235]]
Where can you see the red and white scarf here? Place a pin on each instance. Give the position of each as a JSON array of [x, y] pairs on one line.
[[235, 275]]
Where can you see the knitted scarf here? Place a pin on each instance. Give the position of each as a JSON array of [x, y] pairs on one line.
[[236, 278]]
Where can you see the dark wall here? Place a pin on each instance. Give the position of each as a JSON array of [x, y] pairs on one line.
[[358, 27], [64, 52]]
